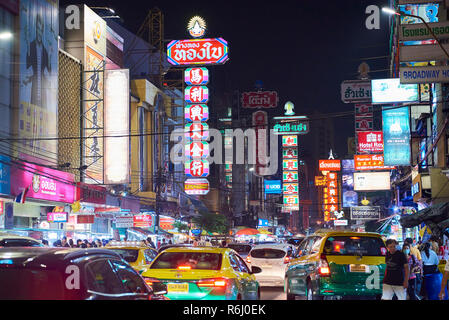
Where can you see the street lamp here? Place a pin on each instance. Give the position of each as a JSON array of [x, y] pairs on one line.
[[400, 13]]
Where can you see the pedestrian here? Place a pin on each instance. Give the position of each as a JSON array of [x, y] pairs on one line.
[[64, 242], [223, 244], [415, 251], [57, 243], [415, 267], [444, 281], [71, 244], [396, 274], [430, 259], [150, 242], [99, 244], [45, 242], [170, 242], [78, 243]]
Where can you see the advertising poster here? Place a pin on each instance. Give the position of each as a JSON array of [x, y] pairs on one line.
[[350, 197], [396, 131], [38, 79], [391, 90]]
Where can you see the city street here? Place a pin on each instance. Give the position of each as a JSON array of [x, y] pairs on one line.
[[198, 150]]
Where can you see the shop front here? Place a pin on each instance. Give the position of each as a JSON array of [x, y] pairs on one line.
[[42, 199]]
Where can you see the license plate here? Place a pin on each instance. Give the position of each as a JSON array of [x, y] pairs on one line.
[[357, 268], [177, 287], [266, 266]]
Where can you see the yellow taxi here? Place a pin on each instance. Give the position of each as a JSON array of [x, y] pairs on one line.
[[203, 273], [135, 253], [337, 264]]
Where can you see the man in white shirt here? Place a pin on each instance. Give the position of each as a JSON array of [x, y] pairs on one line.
[[444, 281]]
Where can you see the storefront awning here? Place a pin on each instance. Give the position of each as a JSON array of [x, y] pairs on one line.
[[435, 217]]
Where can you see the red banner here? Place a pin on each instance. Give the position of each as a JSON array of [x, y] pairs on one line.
[[197, 51], [263, 99], [329, 165], [143, 221]]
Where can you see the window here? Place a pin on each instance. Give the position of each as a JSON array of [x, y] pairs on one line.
[[149, 255], [267, 253], [101, 278], [129, 255], [192, 260], [354, 246], [243, 266], [20, 243], [130, 279], [315, 245], [143, 159], [240, 248], [234, 263]]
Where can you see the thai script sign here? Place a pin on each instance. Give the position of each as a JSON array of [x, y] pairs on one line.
[[263, 99], [197, 51], [365, 213], [356, 91], [293, 128]]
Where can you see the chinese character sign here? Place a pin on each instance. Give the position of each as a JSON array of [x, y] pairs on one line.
[[196, 112], [196, 94], [196, 76], [330, 196]]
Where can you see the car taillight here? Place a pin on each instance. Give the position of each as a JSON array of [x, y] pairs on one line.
[[323, 267], [248, 259], [150, 281], [286, 259], [212, 283], [184, 267]]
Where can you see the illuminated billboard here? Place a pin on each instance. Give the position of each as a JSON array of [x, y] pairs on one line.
[[37, 77], [370, 162], [371, 181], [197, 51], [370, 142], [329, 165], [116, 109], [392, 91], [396, 130]]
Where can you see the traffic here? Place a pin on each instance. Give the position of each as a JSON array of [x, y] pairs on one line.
[[328, 264]]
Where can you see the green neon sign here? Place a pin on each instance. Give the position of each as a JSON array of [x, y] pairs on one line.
[[291, 128]]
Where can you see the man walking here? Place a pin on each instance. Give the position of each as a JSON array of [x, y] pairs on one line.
[[396, 274]]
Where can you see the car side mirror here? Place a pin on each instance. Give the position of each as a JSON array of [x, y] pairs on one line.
[[255, 270], [159, 288]]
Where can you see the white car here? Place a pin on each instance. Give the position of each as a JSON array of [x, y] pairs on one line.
[[13, 240], [273, 260]]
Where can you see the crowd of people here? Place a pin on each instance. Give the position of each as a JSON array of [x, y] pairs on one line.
[[408, 268], [70, 243]]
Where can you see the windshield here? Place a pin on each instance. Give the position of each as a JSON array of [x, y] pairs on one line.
[[357, 245], [20, 243], [194, 260], [240, 248], [129, 255], [268, 253], [29, 284]]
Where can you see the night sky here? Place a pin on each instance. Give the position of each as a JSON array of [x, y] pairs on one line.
[[302, 49]]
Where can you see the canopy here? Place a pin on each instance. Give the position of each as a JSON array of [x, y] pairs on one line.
[[435, 217], [247, 231]]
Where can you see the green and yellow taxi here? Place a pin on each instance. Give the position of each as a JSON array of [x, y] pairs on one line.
[[337, 264], [203, 273], [138, 255]]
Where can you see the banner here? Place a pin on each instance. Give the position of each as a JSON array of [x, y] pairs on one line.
[[349, 196], [396, 130], [38, 77]]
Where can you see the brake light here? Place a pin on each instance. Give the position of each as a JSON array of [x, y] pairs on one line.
[[212, 283], [286, 259], [150, 281], [184, 267], [248, 259], [323, 267]]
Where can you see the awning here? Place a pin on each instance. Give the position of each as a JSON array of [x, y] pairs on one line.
[[435, 217]]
